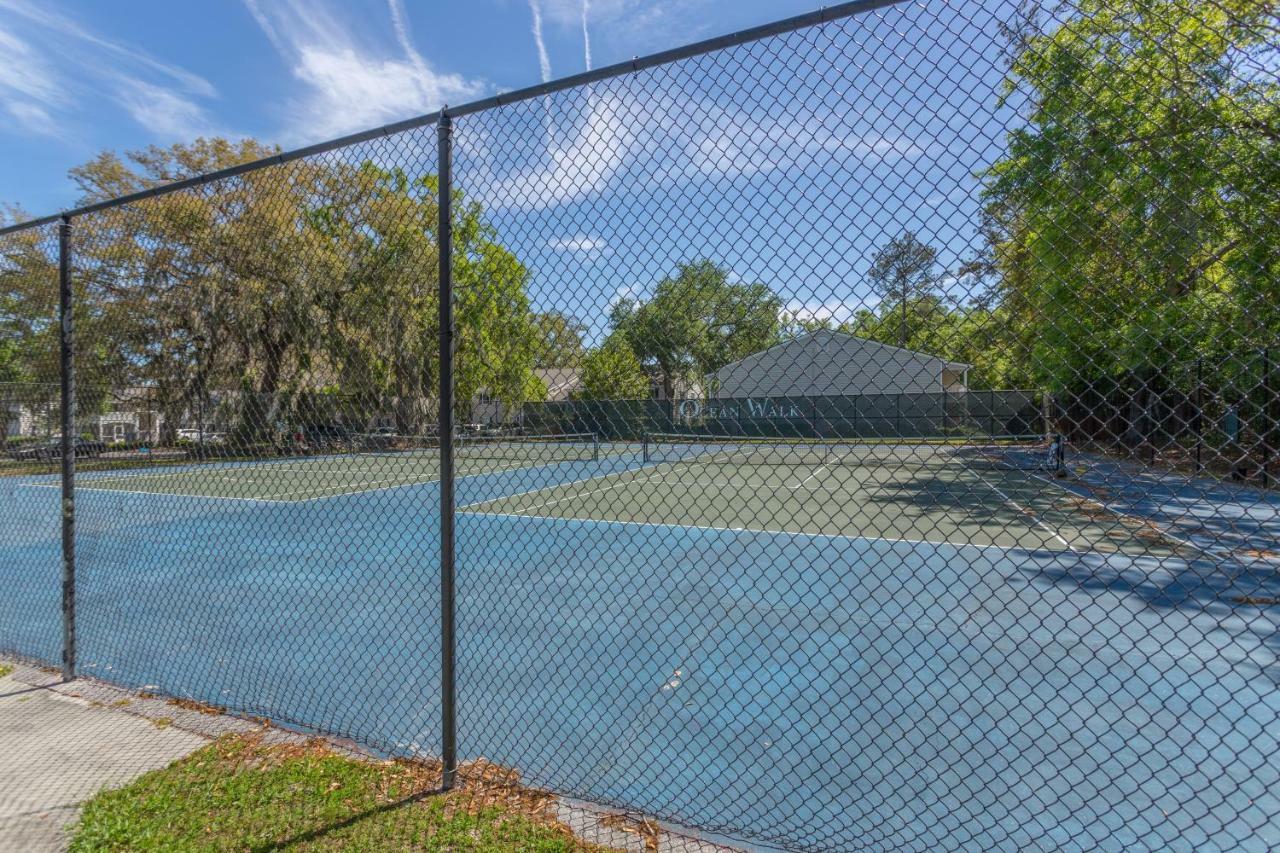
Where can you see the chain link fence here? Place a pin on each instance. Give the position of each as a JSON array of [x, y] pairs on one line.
[[856, 433]]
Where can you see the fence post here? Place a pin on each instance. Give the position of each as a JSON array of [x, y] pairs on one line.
[[448, 644], [66, 370], [1197, 416], [1270, 413]]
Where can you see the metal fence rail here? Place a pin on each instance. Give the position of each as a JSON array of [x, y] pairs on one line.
[[642, 433]]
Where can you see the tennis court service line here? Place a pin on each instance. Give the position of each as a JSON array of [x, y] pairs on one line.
[[185, 495], [754, 530], [1207, 553], [815, 473], [604, 476], [1024, 511], [277, 497], [619, 484], [313, 493]]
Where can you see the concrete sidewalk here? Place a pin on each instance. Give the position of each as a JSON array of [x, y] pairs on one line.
[[62, 743]]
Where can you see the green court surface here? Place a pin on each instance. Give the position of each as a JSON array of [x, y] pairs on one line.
[[299, 479], [937, 503], [942, 504]]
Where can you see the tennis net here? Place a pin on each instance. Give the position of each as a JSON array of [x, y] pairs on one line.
[[564, 447], [1033, 453]]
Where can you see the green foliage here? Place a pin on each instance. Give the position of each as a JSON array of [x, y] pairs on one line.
[[237, 794], [970, 334], [276, 284], [28, 304], [697, 322], [902, 271], [558, 339], [1134, 216], [612, 372]]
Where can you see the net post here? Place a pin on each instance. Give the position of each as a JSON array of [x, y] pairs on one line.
[[448, 640], [66, 370]]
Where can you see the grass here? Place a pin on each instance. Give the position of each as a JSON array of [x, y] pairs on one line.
[[5, 669], [240, 793]]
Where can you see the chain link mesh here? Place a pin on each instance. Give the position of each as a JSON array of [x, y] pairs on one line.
[[29, 445], [866, 438]]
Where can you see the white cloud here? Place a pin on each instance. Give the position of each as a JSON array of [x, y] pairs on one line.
[[162, 111], [640, 138], [586, 36], [831, 310], [580, 243], [350, 85], [544, 62], [42, 16], [401, 23], [562, 165], [46, 99], [641, 26], [28, 89], [33, 117], [739, 143], [627, 293]]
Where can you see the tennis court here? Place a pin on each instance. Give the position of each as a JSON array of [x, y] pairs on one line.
[[774, 629], [315, 477], [940, 492]]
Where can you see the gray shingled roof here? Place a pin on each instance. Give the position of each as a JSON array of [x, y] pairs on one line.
[[830, 362]]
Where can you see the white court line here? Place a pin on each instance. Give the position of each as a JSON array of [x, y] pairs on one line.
[[815, 473], [176, 495], [379, 485], [549, 486], [1210, 552], [523, 513], [1024, 511], [463, 476], [315, 493], [793, 533], [583, 494]]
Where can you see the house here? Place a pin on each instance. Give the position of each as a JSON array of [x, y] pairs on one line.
[[128, 426], [683, 389], [830, 363], [21, 420], [30, 414], [131, 416], [561, 382]]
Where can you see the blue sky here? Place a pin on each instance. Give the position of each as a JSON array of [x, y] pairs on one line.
[[79, 76], [787, 161]]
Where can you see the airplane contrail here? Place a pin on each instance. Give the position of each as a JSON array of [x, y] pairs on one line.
[[544, 63]]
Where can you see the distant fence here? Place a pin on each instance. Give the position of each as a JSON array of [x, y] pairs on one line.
[[968, 414], [1220, 416]]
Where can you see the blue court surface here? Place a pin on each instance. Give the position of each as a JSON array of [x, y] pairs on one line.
[[783, 684]]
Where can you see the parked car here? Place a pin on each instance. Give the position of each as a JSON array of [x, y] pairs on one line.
[[381, 438], [328, 437], [209, 436], [52, 449]]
